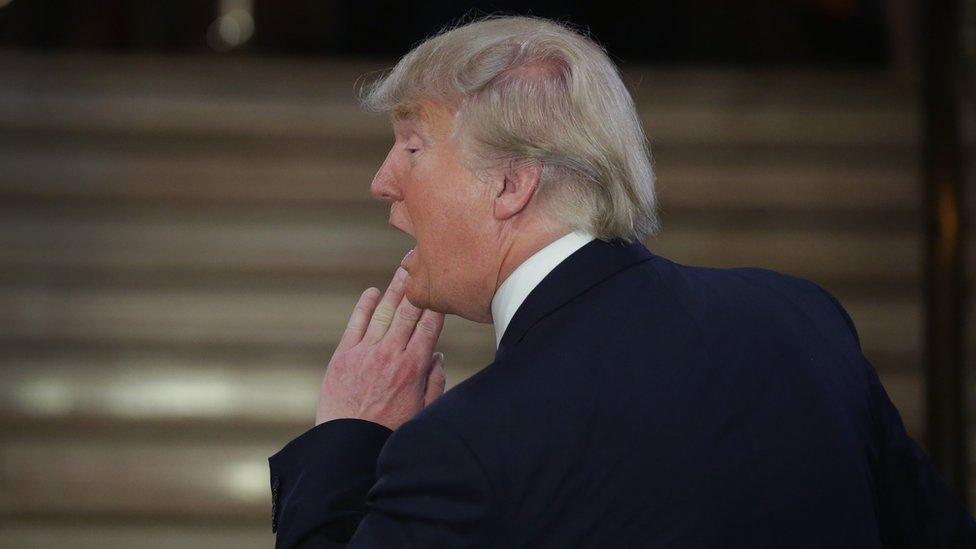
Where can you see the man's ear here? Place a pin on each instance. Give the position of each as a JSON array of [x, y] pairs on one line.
[[517, 187]]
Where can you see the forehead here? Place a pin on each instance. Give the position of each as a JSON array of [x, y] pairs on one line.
[[427, 120], [410, 117], [409, 112]]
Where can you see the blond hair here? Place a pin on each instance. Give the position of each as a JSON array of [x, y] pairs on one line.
[[531, 90]]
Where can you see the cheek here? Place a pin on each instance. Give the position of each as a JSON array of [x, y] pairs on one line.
[[445, 213], [425, 209], [423, 220]]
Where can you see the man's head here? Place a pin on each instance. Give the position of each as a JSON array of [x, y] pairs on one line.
[[509, 132]]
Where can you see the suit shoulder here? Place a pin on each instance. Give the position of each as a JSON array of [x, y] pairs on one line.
[[815, 300], [749, 280], [702, 291], [761, 277]]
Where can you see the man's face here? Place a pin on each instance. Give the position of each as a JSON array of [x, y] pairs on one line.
[[445, 208]]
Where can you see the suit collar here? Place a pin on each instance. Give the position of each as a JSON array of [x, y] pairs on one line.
[[516, 287], [586, 267]]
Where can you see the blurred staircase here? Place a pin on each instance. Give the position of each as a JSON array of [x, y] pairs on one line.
[[183, 239]]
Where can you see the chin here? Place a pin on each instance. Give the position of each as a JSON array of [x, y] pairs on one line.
[[418, 301]]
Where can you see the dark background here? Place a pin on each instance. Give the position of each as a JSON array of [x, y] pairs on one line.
[[749, 33]]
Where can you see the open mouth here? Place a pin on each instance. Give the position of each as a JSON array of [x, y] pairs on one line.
[[406, 259]]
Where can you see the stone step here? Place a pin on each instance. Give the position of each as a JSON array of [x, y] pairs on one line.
[[192, 317], [693, 107], [90, 385], [32, 175], [46, 238], [271, 118], [127, 532], [312, 79], [193, 473]]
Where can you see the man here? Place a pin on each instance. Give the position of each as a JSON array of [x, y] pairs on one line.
[[633, 401]]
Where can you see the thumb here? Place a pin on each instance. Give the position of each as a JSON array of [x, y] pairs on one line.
[[436, 379]]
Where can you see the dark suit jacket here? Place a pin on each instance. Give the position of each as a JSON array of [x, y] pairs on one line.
[[636, 402]]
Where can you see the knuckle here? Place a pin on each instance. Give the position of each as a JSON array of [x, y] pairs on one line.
[[383, 314], [428, 326], [383, 354], [410, 314], [414, 364]]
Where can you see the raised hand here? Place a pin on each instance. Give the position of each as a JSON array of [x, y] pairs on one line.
[[384, 369]]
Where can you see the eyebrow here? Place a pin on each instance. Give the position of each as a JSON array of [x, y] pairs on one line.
[[412, 115], [408, 111]]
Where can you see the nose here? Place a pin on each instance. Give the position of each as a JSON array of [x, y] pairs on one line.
[[384, 185]]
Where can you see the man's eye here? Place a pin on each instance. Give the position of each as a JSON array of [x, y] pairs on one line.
[[411, 151]]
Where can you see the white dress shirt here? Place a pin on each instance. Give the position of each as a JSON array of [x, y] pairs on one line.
[[528, 275]]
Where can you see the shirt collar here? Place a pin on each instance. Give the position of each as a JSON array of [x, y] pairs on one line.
[[527, 276]]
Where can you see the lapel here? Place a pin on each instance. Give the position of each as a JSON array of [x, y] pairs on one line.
[[587, 266]]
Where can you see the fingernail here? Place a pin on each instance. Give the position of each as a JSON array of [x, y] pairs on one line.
[[401, 273]]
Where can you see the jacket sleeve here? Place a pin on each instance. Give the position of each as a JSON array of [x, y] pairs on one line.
[[354, 483], [916, 507]]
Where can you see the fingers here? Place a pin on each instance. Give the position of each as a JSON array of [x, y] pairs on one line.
[[436, 380], [383, 314], [404, 325], [404, 320], [425, 335], [359, 318]]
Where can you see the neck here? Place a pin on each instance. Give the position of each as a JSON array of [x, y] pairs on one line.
[[524, 246]]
